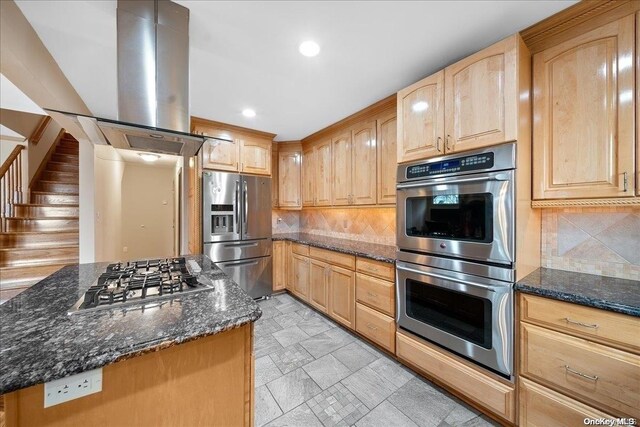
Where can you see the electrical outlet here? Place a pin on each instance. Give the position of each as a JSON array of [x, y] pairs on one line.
[[73, 387]]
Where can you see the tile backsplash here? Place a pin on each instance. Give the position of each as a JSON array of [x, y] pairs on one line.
[[376, 225], [603, 241]]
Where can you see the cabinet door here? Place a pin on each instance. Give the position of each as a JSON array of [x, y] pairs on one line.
[[341, 169], [363, 160], [279, 270], [342, 296], [221, 154], [421, 119], [300, 276], [323, 178], [387, 153], [256, 155], [288, 266], [274, 176], [289, 179], [318, 282], [308, 177], [583, 109], [480, 98]]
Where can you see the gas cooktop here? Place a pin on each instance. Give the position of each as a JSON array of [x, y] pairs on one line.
[[142, 282]]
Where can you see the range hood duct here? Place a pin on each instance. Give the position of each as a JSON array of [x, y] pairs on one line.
[[153, 82]]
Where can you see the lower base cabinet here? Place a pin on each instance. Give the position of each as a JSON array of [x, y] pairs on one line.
[[342, 296], [319, 284], [377, 327], [300, 276]]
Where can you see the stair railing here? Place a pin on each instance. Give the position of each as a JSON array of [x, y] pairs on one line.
[[11, 191]]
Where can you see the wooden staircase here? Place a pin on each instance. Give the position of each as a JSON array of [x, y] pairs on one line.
[[41, 236]]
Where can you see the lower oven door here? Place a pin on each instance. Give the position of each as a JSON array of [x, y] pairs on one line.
[[467, 314]]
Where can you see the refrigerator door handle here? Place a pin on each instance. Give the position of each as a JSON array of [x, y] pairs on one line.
[[246, 208], [236, 207]]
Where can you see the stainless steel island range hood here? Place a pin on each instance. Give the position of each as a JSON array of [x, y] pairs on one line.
[[153, 83]]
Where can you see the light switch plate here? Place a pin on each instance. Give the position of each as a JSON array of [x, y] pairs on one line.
[[73, 387]]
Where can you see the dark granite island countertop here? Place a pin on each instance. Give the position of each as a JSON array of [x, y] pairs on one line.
[[40, 342], [374, 251], [606, 293]]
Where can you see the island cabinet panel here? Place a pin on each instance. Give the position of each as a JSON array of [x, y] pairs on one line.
[[583, 109], [203, 382], [363, 160], [342, 296], [323, 177], [289, 177], [386, 144], [300, 276], [308, 177], [256, 156], [279, 270], [421, 119], [341, 169], [319, 284]]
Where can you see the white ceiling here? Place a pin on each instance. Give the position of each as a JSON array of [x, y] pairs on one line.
[[244, 54]]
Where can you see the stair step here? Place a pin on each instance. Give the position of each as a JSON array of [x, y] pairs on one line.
[[64, 158], [16, 276], [63, 149], [49, 175], [18, 239], [25, 210], [57, 187], [62, 167], [47, 198], [16, 257], [42, 224]]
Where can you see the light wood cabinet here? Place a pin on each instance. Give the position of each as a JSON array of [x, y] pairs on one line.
[[363, 164], [323, 177], [221, 154], [387, 147], [341, 169], [255, 156], [300, 276], [288, 270], [376, 293], [274, 176], [308, 177], [342, 296], [289, 179], [583, 127], [377, 327], [421, 119], [279, 269], [319, 284]]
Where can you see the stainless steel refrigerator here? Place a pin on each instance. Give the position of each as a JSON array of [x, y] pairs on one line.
[[236, 228]]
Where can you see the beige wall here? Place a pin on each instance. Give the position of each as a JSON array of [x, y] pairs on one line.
[[147, 211], [37, 152], [604, 241], [108, 172]]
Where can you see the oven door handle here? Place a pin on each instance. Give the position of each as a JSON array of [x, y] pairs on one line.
[[446, 181], [443, 277]]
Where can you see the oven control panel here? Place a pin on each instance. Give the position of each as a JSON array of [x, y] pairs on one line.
[[459, 164]]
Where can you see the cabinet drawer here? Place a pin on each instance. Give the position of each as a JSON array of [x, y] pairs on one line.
[[604, 377], [376, 293], [613, 329], [383, 270], [542, 407], [333, 258], [483, 389], [300, 249], [377, 327]]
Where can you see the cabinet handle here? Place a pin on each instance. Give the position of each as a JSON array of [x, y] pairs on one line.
[[586, 325], [373, 328], [438, 140], [447, 144], [626, 182], [371, 294], [580, 374]]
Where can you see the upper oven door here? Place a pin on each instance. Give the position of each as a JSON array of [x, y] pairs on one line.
[[468, 217]]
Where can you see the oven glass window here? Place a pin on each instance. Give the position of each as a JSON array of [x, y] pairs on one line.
[[451, 216], [463, 315]]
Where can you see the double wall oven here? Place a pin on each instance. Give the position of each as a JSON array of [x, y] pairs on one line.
[[456, 239]]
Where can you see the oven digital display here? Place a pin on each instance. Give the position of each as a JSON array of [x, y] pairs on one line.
[[461, 164]]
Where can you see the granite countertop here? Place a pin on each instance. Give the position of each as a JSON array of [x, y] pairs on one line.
[[40, 342], [607, 293], [375, 251]]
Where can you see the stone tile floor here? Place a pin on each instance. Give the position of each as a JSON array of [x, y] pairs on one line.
[[312, 372]]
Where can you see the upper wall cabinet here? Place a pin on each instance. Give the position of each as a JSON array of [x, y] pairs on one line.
[[341, 169], [274, 176], [471, 104], [363, 160], [387, 153], [289, 176], [234, 149], [322, 179], [583, 115], [308, 177]]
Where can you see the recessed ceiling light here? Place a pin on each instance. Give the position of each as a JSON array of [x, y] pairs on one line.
[[420, 106], [309, 48], [148, 157], [248, 112]]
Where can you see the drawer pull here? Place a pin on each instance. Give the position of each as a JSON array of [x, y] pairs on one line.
[[370, 326], [371, 294], [586, 325], [580, 374]]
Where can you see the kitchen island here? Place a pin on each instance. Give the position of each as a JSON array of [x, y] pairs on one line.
[[180, 361]]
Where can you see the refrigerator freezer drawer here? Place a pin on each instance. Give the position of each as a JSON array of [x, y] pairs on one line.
[[253, 275], [237, 250]]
